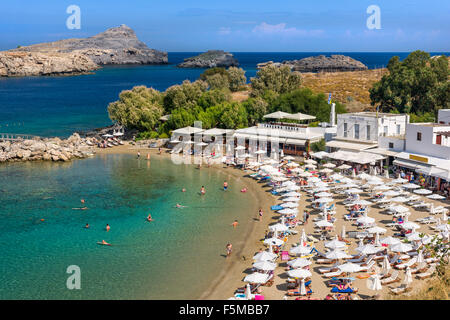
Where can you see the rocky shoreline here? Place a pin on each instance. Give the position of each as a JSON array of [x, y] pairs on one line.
[[47, 149]]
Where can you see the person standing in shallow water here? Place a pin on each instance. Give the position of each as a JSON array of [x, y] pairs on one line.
[[229, 248], [139, 155]]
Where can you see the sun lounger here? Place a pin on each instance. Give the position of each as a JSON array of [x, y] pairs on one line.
[[394, 259], [367, 267], [333, 274], [329, 269], [422, 267], [296, 292], [393, 278], [426, 274], [361, 259], [404, 265], [402, 289]]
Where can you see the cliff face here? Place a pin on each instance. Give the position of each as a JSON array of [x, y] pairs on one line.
[[114, 46], [210, 59]]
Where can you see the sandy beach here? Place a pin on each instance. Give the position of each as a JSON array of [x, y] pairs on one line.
[[239, 264]]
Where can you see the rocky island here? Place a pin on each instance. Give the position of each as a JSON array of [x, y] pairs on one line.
[[210, 59], [118, 45], [321, 63]]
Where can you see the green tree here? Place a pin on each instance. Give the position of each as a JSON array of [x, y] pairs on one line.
[[305, 101], [139, 108], [233, 115], [277, 79], [218, 81], [318, 146], [213, 97], [418, 84], [256, 108], [236, 78], [185, 95], [212, 71]]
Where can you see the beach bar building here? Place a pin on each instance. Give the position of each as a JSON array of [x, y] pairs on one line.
[[292, 138]]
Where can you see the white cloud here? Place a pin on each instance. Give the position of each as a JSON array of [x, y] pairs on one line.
[[224, 31], [280, 29]]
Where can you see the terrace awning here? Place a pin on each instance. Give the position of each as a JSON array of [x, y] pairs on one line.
[[349, 145], [297, 142]]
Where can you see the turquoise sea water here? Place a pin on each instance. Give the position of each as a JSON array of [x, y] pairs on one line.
[[59, 106], [176, 256]]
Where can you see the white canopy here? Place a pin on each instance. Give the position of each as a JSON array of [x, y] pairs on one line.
[[299, 273], [257, 277]]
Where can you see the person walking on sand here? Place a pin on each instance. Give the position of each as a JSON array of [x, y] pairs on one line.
[[229, 248], [235, 224], [107, 227], [260, 214]]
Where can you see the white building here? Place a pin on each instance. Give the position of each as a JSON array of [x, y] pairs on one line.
[[361, 130], [444, 116]]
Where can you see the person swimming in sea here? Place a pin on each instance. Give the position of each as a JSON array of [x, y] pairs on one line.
[[104, 243], [179, 206], [82, 208], [107, 227], [225, 185], [149, 218], [235, 224], [202, 190], [87, 226], [183, 190]]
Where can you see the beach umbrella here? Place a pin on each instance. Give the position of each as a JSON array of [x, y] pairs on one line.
[[444, 216], [361, 202], [349, 267], [291, 199], [410, 186], [391, 193], [377, 242], [399, 209], [364, 176], [300, 250], [326, 170], [174, 141], [354, 190], [336, 176], [201, 144], [239, 148], [310, 166], [288, 211], [442, 227], [399, 180], [414, 236], [399, 199], [108, 135], [288, 183], [248, 292], [408, 277], [401, 247], [274, 241], [302, 287], [260, 152], [375, 182], [436, 197], [423, 191], [365, 220], [385, 266], [299, 263], [310, 161], [292, 164], [409, 225], [374, 282], [278, 227], [321, 184], [420, 258], [321, 189], [288, 158], [323, 194], [257, 277], [292, 194], [376, 230], [324, 223], [349, 185], [390, 241], [384, 200], [314, 180], [344, 166], [264, 256], [303, 238], [290, 205], [265, 265], [382, 188], [293, 188], [299, 273], [335, 244], [337, 254], [343, 235], [323, 200], [368, 249], [329, 165], [305, 174]]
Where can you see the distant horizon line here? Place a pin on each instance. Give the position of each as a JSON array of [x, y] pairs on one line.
[[310, 51]]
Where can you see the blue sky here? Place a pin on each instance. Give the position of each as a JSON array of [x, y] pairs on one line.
[[245, 25]]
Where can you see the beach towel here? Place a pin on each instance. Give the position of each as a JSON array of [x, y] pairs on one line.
[[336, 290], [276, 207]]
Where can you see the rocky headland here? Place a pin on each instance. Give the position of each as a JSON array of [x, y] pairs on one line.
[[118, 45], [210, 59], [321, 63], [50, 149]]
